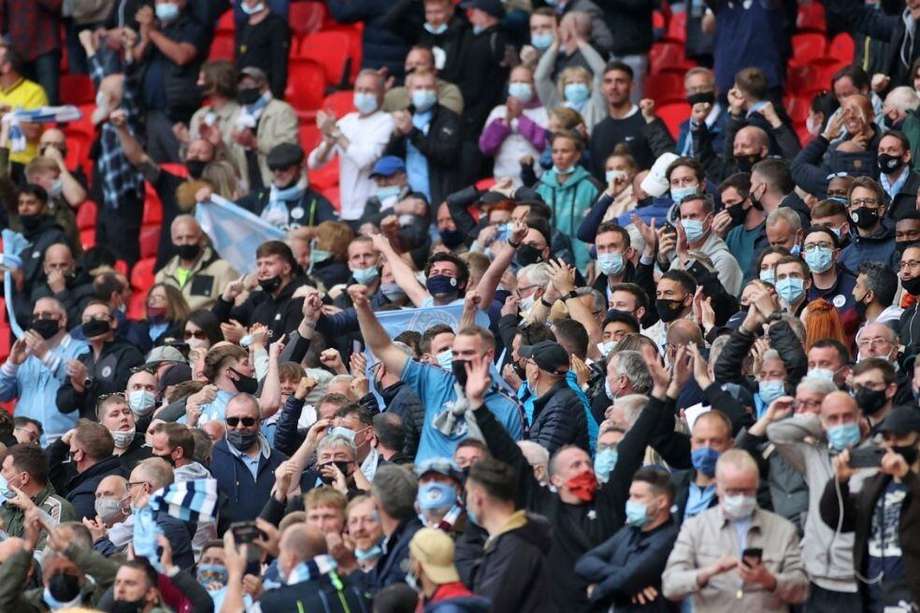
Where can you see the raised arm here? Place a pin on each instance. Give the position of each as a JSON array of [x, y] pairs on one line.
[[402, 272], [493, 274], [130, 146], [270, 398], [374, 335]]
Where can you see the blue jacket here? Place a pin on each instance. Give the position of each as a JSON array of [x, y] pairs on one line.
[[389, 569], [177, 532], [628, 562], [879, 247], [245, 497]]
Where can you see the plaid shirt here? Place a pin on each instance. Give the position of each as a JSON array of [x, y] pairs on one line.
[[120, 179], [34, 26]]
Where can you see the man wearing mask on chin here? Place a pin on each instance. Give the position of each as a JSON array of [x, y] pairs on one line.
[[196, 269], [113, 413], [244, 463], [37, 367], [103, 370], [289, 202], [274, 306], [583, 512], [873, 240], [708, 562]]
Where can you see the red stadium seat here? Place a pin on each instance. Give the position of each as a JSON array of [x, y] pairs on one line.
[[153, 207], [341, 103], [677, 27], [226, 24], [667, 56], [811, 18], [332, 194], [664, 87], [87, 215], [142, 274], [6, 338], [177, 169], [807, 47], [797, 109], [842, 47], [325, 177], [309, 136], [137, 304], [673, 114], [802, 79], [88, 238], [77, 89], [326, 49], [306, 85], [355, 34], [484, 184], [658, 21], [306, 17], [223, 47], [149, 241], [121, 267]]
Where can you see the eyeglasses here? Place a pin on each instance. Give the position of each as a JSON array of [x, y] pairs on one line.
[[199, 334], [133, 483], [911, 264], [869, 203], [873, 342], [147, 368], [815, 246], [247, 422]]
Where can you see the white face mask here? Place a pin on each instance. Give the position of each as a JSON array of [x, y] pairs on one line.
[[141, 402], [527, 303], [123, 438], [445, 358], [605, 348], [738, 506]]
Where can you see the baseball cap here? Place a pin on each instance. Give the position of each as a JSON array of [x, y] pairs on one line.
[[902, 420], [254, 73], [434, 550], [655, 183], [442, 466], [492, 7], [164, 354], [388, 166], [549, 356]]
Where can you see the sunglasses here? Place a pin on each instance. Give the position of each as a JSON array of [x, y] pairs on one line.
[[247, 422], [199, 334]]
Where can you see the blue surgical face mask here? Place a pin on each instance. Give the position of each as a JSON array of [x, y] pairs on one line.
[[679, 193], [5, 492], [365, 275], [435, 495], [768, 275], [542, 41], [343, 432], [636, 514], [576, 93], [704, 460], [819, 259], [604, 463], [790, 289], [392, 291], [251, 10], [771, 389], [445, 359], [424, 99], [167, 12], [821, 373], [365, 103], [478, 29], [390, 191], [843, 436], [441, 29], [563, 171], [521, 91], [363, 555], [605, 348], [611, 264], [694, 229], [610, 175]]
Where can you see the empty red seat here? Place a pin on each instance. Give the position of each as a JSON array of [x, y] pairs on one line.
[[88, 238], [664, 87], [802, 79], [355, 33], [332, 194], [223, 47], [326, 49], [341, 103], [153, 208], [677, 27], [325, 177], [149, 241], [306, 85], [77, 89], [811, 18], [142, 274], [673, 114], [667, 56], [306, 17], [843, 47], [309, 136], [797, 108], [807, 47], [226, 24], [137, 304], [87, 215]]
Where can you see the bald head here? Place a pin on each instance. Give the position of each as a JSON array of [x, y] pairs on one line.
[[303, 542], [751, 141], [113, 486], [58, 258], [154, 471], [684, 331]]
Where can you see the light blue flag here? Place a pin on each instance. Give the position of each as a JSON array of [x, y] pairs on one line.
[[235, 233], [14, 243]]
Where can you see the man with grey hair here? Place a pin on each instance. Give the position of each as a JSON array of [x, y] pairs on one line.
[[394, 491], [531, 284], [627, 373], [243, 463], [784, 228]]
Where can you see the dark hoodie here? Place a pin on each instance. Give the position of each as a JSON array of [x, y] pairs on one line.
[[877, 247], [282, 314], [46, 233], [513, 573]]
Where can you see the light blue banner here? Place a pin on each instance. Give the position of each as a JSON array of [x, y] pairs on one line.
[[235, 233]]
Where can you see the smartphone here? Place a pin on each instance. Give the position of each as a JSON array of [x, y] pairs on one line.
[[246, 532], [869, 456], [669, 227], [751, 556]]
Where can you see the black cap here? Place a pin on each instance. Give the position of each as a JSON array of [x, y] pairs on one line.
[[549, 356], [491, 198], [492, 7], [902, 420], [179, 372], [284, 156], [527, 195]]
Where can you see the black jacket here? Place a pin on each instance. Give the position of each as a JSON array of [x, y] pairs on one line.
[[630, 23], [441, 148], [281, 314], [407, 19], [107, 375], [576, 528], [858, 511], [382, 47], [328, 593], [482, 78], [513, 572], [46, 234], [80, 490], [728, 367], [389, 569], [721, 164], [311, 210], [559, 419], [905, 200], [811, 167]]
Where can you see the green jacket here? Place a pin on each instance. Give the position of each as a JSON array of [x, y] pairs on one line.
[[570, 202], [911, 130], [49, 502]]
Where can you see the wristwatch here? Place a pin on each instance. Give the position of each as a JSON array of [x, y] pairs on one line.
[[514, 245], [570, 295]]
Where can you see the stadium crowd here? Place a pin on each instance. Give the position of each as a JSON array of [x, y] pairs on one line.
[[548, 305]]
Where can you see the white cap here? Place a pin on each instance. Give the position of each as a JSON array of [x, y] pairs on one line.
[[655, 184]]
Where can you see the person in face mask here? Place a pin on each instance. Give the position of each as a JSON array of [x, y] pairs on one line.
[[534, 247], [685, 177], [895, 175], [792, 283], [873, 387], [364, 529], [446, 276], [432, 171], [436, 58], [243, 463], [65, 193], [166, 309], [63, 582], [546, 365], [543, 32], [832, 214], [115, 414], [25, 468], [364, 263], [616, 325], [820, 250], [202, 330], [674, 297], [614, 254], [135, 587], [531, 285], [751, 145], [111, 494], [648, 524], [777, 571], [439, 499], [906, 232], [873, 295], [873, 241], [606, 456], [392, 185], [196, 269], [741, 223], [39, 228], [695, 233]]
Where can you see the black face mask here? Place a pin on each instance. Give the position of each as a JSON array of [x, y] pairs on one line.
[[909, 453], [864, 218], [244, 384], [870, 401], [737, 213], [861, 308], [125, 606], [669, 310], [195, 168], [167, 458], [31, 222], [46, 328], [527, 255], [96, 327], [888, 164], [270, 285], [451, 238], [188, 252], [519, 370], [746, 162], [248, 95], [708, 97], [242, 440], [458, 367], [64, 587], [912, 286], [341, 465]]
